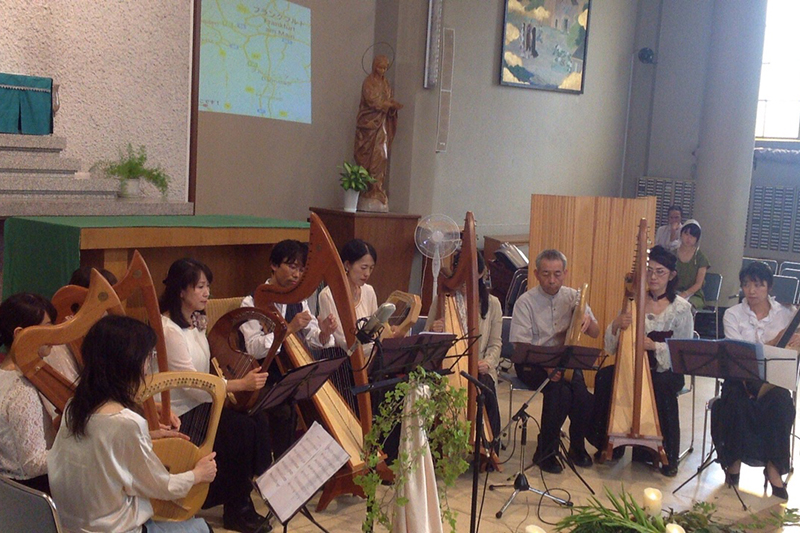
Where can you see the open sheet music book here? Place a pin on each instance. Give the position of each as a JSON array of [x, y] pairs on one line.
[[300, 472], [727, 358]]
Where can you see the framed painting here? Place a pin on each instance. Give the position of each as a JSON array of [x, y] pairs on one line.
[[544, 44]]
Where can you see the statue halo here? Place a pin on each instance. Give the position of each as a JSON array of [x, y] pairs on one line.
[[379, 51]]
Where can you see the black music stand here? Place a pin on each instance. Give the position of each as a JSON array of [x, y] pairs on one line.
[[559, 358], [298, 384], [724, 359]]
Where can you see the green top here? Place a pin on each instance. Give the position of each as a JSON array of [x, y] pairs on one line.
[[162, 221], [687, 274]]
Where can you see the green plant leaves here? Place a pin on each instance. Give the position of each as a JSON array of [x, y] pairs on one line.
[[354, 177], [132, 165]]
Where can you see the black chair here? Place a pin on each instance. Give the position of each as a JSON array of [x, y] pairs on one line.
[[711, 290]]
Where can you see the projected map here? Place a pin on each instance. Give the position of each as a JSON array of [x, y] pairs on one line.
[[255, 59]]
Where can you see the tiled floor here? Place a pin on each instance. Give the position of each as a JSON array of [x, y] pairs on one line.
[[346, 513]]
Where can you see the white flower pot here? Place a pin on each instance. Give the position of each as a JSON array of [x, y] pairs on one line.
[[131, 188], [351, 200]]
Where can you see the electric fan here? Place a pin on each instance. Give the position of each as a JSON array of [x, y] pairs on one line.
[[436, 237]]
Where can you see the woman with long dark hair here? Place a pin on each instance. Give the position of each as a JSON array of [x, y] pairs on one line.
[[242, 442], [103, 471]]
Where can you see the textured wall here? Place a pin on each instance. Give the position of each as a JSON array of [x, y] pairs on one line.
[[124, 70]]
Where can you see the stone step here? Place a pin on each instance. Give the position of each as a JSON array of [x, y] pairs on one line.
[[34, 185], [32, 143], [35, 162]]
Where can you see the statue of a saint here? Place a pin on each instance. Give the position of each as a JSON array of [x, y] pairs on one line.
[[375, 127]]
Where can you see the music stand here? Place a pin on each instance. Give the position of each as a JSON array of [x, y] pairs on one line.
[[298, 384], [559, 358], [724, 359]]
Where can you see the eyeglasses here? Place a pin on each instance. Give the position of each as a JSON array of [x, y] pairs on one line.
[[657, 272]]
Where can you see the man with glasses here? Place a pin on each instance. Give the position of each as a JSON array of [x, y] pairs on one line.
[[287, 264], [542, 317]]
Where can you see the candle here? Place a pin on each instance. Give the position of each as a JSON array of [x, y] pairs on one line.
[[652, 502], [535, 529], [675, 528]]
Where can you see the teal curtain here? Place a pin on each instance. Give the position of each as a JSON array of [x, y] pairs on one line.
[[26, 104]]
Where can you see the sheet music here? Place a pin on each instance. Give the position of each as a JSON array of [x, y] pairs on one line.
[[288, 484]]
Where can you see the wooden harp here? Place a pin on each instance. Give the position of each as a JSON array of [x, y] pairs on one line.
[[137, 280], [633, 417], [406, 313], [328, 406], [229, 357], [98, 300], [574, 333], [464, 280]]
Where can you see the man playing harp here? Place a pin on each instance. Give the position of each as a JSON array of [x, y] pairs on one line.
[[541, 317]]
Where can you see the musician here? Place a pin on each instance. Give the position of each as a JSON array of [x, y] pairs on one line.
[[242, 442], [667, 315], [287, 264], [26, 427], [103, 471], [359, 258], [490, 344], [669, 235], [541, 317], [752, 421]]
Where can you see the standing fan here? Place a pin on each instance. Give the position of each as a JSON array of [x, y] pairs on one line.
[[436, 237]]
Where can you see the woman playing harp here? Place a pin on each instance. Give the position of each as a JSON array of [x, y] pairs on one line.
[[666, 316], [242, 443]]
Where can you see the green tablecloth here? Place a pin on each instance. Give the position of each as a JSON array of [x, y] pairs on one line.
[[41, 253], [26, 104]]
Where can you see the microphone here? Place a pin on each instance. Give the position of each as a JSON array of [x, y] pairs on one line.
[[475, 382], [373, 326]]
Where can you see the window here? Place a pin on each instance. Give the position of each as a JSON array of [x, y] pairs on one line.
[[778, 114]]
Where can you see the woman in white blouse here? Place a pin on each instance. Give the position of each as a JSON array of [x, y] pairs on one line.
[[26, 429], [667, 315], [752, 421], [242, 441], [103, 471]]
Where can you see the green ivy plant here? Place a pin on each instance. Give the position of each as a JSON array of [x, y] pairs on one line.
[[354, 177], [626, 516], [132, 165], [448, 436]]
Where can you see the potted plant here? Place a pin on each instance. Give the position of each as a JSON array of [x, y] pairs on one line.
[[354, 180], [130, 168]]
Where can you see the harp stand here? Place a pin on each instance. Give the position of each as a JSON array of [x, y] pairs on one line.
[[721, 360], [520, 480]]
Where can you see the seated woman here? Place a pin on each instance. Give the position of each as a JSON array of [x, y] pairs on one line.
[[666, 316], [692, 265], [752, 421], [26, 426], [490, 344], [242, 441], [359, 258], [103, 471]]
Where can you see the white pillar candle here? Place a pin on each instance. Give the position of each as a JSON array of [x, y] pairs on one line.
[[534, 529], [652, 501], [675, 528]]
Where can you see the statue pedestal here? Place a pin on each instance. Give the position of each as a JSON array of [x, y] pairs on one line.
[[392, 235]]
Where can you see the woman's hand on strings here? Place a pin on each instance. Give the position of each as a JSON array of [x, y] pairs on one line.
[[438, 326], [166, 433], [206, 469], [254, 380], [623, 321]]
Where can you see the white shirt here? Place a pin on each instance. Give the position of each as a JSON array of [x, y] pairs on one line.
[[104, 481], [741, 323], [663, 233], [367, 306], [542, 319], [258, 343], [26, 429], [677, 317], [187, 350]]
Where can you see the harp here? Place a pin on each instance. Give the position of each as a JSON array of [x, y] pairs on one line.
[[232, 361], [633, 419], [179, 455], [327, 405], [406, 313], [98, 300], [574, 333], [464, 321], [136, 283]]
